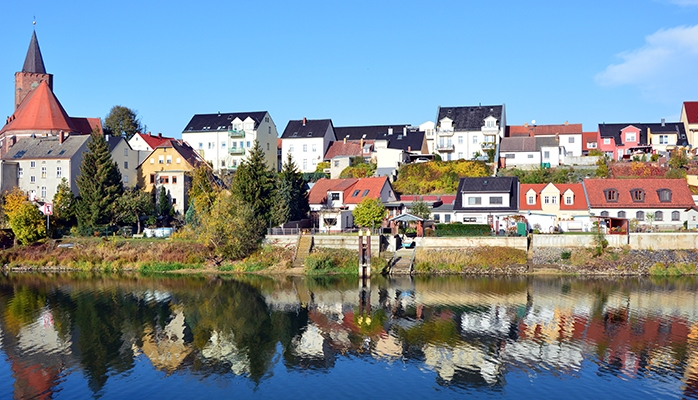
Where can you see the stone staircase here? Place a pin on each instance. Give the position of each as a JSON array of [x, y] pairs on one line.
[[305, 244], [401, 264]]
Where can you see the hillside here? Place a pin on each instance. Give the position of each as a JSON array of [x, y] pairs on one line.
[[437, 177]]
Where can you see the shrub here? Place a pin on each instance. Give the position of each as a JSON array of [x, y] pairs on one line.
[[448, 230]]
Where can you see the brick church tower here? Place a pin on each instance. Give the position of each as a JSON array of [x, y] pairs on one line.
[[32, 74]]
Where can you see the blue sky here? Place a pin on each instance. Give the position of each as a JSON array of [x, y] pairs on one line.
[[361, 62]]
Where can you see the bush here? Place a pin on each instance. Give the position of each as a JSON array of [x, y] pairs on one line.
[[448, 230], [340, 261]]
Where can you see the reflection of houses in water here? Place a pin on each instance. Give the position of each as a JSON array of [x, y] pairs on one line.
[[221, 347], [167, 348], [447, 361]]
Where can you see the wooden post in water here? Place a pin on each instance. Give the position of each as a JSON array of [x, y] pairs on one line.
[[364, 254]]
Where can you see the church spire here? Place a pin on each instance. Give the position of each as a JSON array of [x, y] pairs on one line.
[[34, 63]]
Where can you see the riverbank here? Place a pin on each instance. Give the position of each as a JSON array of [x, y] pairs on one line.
[[186, 257]]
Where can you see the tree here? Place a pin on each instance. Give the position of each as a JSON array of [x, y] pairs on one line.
[[649, 217], [12, 202], [27, 223], [254, 184], [122, 121], [291, 195], [358, 168], [99, 183], [64, 205], [164, 205], [132, 205], [420, 209], [369, 213], [230, 228], [602, 168], [678, 158]]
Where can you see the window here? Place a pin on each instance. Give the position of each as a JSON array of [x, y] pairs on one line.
[[223, 145], [179, 160], [663, 139], [630, 137], [161, 159], [125, 164], [305, 164], [675, 215], [43, 172], [509, 155], [473, 201], [222, 163], [460, 155], [267, 146], [305, 148], [546, 155], [475, 139], [569, 200], [248, 144], [611, 195], [174, 201], [621, 214], [591, 145], [659, 216], [437, 217], [174, 179], [210, 145], [531, 200], [365, 193], [314, 149], [604, 213], [152, 161], [640, 215], [125, 151], [125, 178], [356, 193], [20, 172], [32, 179], [553, 199], [335, 196], [43, 191], [32, 164], [447, 218], [460, 139], [638, 195], [268, 128], [496, 200], [290, 149], [336, 163], [664, 195], [169, 159], [546, 199], [530, 155], [571, 139], [606, 140], [152, 178], [201, 145]]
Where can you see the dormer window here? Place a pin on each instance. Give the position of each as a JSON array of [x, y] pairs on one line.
[[630, 137], [334, 196], [569, 200], [638, 195], [611, 195], [664, 195], [531, 200]]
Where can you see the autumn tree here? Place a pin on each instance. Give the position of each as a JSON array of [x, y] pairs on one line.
[[122, 121], [254, 184], [420, 209], [24, 218], [369, 213], [64, 205], [99, 184]]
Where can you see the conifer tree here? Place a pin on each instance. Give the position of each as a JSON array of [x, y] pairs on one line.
[[254, 184], [291, 194], [99, 184]]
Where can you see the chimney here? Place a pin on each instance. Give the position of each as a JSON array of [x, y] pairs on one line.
[[663, 124], [526, 124], [362, 143], [390, 131], [159, 135], [409, 149], [404, 131], [61, 137], [150, 134], [567, 123], [304, 121], [345, 140]]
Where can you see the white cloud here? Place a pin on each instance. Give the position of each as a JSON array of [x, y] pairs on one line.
[[666, 60]]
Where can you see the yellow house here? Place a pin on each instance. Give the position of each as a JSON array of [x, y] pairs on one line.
[[167, 167]]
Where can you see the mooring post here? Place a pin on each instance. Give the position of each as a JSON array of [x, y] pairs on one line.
[[364, 254]]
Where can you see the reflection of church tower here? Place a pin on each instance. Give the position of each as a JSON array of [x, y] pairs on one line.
[[33, 72]]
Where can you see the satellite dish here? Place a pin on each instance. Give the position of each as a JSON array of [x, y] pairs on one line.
[[533, 122]]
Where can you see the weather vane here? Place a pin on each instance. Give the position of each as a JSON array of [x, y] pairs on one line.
[[34, 21]]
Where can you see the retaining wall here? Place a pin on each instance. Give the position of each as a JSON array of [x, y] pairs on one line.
[[636, 241]]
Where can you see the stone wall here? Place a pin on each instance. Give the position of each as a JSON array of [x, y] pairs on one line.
[[517, 242], [324, 241], [636, 241]]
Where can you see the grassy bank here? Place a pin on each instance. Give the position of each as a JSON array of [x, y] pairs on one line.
[[469, 260]]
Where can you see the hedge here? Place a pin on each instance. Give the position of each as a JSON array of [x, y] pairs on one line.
[[445, 230]]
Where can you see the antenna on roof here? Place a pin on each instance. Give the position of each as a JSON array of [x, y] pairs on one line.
[[34, 21]]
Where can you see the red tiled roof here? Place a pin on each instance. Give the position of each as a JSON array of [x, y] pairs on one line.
[[589, 137], [343, 149], [541, 130], [318, 193], [691, 108], [681, 194], [86, 125], [40, 110], [523, 198], [154, 141]]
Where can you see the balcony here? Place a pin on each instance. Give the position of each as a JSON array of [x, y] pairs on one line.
[[488, 145], [235, 133], [445, 132], [236, 151], [445, 148]]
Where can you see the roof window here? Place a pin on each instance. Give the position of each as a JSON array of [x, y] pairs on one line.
[[356, 193], [365, 193], [611, 195]]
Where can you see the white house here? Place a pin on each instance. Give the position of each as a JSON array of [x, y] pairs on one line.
[[307, 140], [466, 132], [125, 157], [225, 139]]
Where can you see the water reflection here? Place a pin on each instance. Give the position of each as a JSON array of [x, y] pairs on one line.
[[468, 333]]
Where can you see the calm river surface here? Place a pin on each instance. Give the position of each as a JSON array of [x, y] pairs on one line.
[[130, 336]]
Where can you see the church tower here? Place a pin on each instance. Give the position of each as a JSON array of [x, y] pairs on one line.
[[33, 73]]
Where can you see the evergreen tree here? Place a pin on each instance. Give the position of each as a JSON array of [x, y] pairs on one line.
[[99, 184], [254, 184], [291, 194], [164, 206]]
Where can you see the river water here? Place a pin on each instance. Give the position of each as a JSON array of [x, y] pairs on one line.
[[131, 336]]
